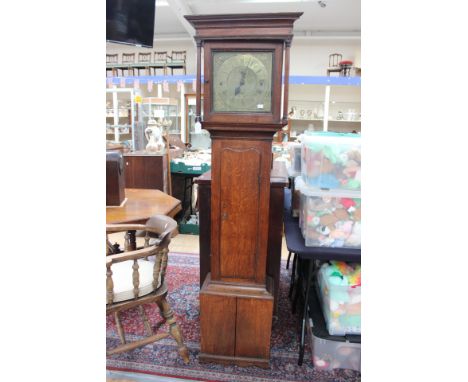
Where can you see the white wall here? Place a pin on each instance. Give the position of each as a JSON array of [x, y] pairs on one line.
[[309, 57]]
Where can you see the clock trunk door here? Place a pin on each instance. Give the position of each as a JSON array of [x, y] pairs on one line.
[[241, 195]]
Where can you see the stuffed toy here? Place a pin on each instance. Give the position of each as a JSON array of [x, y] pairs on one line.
[[354, 240], [339, 287]]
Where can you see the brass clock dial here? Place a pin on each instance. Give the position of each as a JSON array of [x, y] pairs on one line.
[[242, 81]]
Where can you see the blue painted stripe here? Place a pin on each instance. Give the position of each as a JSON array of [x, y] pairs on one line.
[[295, 80]]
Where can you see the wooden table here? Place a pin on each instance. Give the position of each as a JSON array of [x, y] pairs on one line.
[[140, 205]]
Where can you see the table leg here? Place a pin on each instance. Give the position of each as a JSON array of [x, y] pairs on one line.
[[184, 197], [293, 276], [190, 197], [304, 315]]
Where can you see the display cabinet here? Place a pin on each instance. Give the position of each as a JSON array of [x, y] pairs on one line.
[[322, 107], [198, 139], [120, 116], [164, 108]]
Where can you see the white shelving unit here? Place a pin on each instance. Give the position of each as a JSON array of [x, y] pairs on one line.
[[120, 115], [324, 107]]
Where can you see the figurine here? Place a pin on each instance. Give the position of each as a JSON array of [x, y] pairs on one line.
[[154, 136]]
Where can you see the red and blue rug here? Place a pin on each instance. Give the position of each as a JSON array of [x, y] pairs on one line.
[[162, 358]]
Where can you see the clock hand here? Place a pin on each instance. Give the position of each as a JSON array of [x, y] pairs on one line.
[[237, 90]]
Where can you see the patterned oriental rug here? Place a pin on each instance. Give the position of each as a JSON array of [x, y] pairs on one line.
[[162, 358]]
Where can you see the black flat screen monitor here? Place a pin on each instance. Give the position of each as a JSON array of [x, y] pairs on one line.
[[130, 22]]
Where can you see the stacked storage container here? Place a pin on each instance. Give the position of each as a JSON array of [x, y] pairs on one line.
[[294, 172], [330, 351], [331, 190], [339, 287], [294, 149]]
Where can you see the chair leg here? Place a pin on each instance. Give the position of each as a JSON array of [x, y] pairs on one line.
[[167, 313], [149, 331], [119, 328]]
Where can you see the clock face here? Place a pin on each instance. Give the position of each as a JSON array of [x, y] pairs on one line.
[[242, 81]]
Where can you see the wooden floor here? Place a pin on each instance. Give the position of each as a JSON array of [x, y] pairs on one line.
[[181, 243]]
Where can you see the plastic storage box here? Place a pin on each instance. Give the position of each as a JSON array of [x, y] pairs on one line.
[[328, 351], [296, 186], [339, 287], [295, 150], [331, 160], [330, 218], [182, 167]]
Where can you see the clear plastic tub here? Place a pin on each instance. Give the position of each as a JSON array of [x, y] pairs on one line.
[[331, 160], [297, 185], [330, 218], [328, 351], [295, 149], [339, 287]]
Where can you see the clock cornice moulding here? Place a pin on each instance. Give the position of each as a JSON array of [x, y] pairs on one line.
[[244, 26]]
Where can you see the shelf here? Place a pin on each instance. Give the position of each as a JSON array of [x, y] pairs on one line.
[[321, 120]]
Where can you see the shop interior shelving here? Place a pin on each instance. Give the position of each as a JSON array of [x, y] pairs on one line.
[[120, 115], [329, 103], [164, 108]]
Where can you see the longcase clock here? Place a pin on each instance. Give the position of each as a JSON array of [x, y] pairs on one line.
[[246, 57]]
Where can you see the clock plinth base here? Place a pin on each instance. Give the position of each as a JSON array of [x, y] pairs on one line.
[[235, 323], [238, 361]]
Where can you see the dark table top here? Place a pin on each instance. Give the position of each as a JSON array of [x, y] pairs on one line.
[[296, 243]]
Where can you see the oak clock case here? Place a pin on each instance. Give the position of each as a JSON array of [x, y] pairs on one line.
[[243, 67]]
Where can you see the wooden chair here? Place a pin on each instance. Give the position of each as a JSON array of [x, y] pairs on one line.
[[334, 63], [177, 60], [133, 280], [112, 60], [144, 61], [160, 62], [346, 66], [128, 60]]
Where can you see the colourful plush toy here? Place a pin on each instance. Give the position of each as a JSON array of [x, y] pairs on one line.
[[354, 240], [340, 292], [332, 160]]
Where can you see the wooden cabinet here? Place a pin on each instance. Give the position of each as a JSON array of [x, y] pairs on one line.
[[146, 171], [115, 181]]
